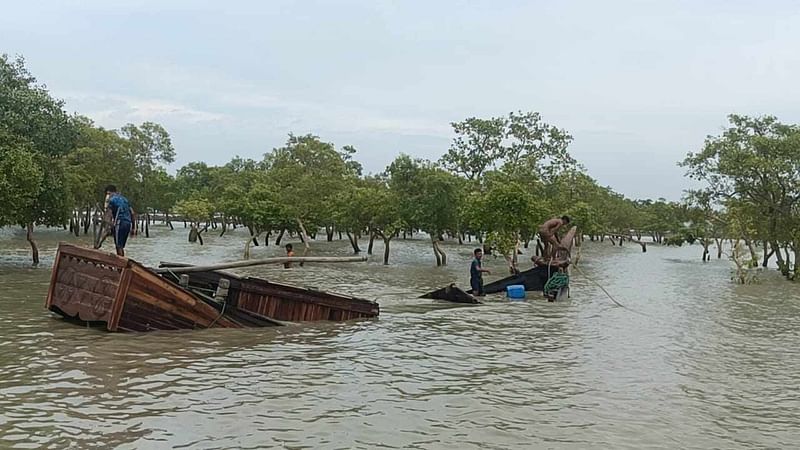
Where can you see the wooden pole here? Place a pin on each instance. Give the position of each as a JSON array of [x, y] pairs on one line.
[[258, 262]]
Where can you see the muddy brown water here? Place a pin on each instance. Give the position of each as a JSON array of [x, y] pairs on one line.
[[698, 363]]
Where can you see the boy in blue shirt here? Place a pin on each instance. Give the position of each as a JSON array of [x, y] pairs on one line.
[[121, 217], [476, 274]]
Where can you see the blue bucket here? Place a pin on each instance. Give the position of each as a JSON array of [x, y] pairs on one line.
[[515, 292]]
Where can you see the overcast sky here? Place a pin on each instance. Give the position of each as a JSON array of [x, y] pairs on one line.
[[637, 83]]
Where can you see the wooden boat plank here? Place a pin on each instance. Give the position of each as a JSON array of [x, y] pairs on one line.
[[119, 299], [53, 277], [83, 290], [94, 255], [176, 317], [362, 306], [267, 290]]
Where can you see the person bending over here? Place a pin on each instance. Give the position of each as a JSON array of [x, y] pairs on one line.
[[547, 231]]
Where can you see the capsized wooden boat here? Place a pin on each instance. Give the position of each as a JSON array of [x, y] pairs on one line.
[[123, 295], [451, 293], [533, 279], [275, 300]]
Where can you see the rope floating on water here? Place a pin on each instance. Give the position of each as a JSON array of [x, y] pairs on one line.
[[607, 294]]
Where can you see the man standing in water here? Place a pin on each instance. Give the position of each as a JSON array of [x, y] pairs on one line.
[[476, 273], [547, 231], [121, 216], [289, 253]]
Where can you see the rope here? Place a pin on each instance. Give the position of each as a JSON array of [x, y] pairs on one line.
[[609, 295], [220, 315], [556, 282], [601, 287]]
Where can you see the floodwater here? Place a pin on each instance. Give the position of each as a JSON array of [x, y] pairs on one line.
[[693, 362]]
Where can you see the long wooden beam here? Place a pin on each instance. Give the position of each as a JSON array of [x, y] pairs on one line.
[[260, 262]]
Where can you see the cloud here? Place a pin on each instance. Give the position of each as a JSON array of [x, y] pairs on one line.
[[113, 110], [252, 103]]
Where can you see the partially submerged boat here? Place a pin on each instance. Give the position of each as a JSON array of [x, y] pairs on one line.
[[452, 293], [121, 294], [534, 279], [281, 302]]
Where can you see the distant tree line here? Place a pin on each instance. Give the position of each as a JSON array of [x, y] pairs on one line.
[[499, 180]]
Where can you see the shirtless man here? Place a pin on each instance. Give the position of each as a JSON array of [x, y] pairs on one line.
[[548, 230]]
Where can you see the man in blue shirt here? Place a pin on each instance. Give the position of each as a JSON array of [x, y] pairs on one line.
[[476, 274], [121, 217]]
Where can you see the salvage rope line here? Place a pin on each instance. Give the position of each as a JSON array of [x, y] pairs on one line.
[[609, 295]]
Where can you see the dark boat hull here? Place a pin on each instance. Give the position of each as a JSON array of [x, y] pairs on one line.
[[533, 279], [451, 294]]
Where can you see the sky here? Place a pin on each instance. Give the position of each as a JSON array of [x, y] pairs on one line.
[[637, 83]]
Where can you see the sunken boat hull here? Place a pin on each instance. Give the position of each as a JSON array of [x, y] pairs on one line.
[[451, 293], [533, 279], [544, 267], [280, 301], [122, 295]]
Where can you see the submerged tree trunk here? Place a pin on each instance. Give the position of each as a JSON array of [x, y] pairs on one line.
[[253, 238], [371, 242], [753, 254], [353, 238], [196, 234], [386, 241], [147, 225], [94, 227], [796, 271], [86, 220], [719, 247], [705, 244], [782, 264], [767, 254], [329, 233], [441, 253], [789, 272], [34, 247], [304, 236], [280, 237], [193, 233], [441, 258]]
